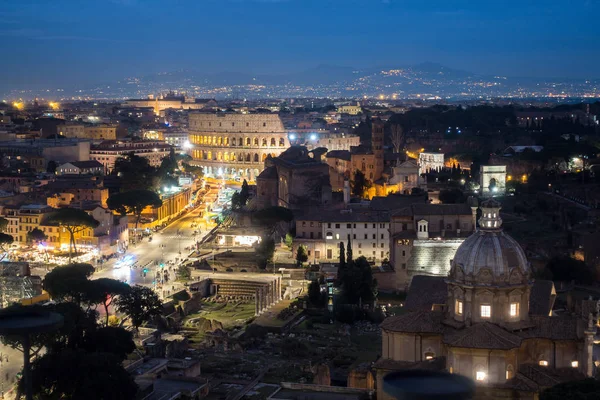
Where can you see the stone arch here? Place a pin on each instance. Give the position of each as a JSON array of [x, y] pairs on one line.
[[273, 142], [219, 156], [233, 158], [264, 157], [510, 372], [247, 157], [226, 141], [255, 157], [226, 156], [248, 142], [264, 142], [256, 141], [209, 155], [428, 354], [256, 172], [233, 141], [281, 142]]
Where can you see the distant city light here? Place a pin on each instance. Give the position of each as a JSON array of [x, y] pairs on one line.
[[313, 137], [187, 145], [292, 137]]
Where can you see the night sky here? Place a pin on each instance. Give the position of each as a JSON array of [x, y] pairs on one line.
[[53, 42]]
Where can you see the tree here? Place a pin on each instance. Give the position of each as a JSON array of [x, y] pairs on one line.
[[74, 220], [245, 193], [360, 184], [135, 172], [397, 137], [358, 284], [585, 389], [289, 240], [236, 204], [51, 167], [265, 252], [36, 235], [192, 169], [314, 293], [301, 255], [5, 239], [451, 196], [342, 266], [349, 252], [104, 291], [567, 269], [140, 304], [134, 202], [184, 273], [79, 374], [68, 283]]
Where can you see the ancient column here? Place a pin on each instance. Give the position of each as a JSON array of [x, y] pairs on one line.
[[256, 302]]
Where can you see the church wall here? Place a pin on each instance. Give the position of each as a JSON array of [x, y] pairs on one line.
[[411, 347], [559, 354], [493, 363]]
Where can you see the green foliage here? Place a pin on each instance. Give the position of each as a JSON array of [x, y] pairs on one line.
[[192, 169], [265, 252], [68, 283], [140, 304], [289, 240], [3, 224], [51, 167], [5, 239], [273, 215], [451, 196], [236, 203], [74, 220], [104, 291], [135, 172], [244, 193], [36, 235], [314, 294], [567, 269], [360, 184], [78, 374], [134, 202], [184, 273], [301, 255], [357, 282], [586, 389]]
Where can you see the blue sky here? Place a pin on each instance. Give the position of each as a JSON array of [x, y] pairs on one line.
[[57, 41]]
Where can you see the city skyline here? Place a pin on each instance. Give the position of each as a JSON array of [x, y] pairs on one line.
[[99, 42]]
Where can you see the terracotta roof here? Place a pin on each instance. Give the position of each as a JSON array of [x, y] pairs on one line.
[[435, 209], [436, 364], [483, 335], [395, 201], [547, 376], [425, 291], [415, 322], [540, 299], [555, 328]]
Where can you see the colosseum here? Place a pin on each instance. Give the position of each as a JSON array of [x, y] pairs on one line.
[[233, 145]]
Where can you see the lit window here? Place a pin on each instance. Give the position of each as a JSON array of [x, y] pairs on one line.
[[486, 311], [480, 375], [543, 363], [459, 307], [575, 364], [514, 309], [337, 235]]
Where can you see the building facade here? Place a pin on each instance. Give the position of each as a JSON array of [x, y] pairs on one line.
[[430, 161], [107, 153], [424, 238], [86, 131], [489, 321], [235, 145], [368, 232]]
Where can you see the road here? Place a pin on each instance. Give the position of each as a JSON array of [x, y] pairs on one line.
[[166, 246]]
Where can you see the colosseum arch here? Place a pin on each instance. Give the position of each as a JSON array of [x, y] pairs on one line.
[[256, 141], [209, 155], [233, 141], [248, 142], [219, 156], [248, 157], [226, 141], [226, 156], [281, 142], [264, 157], [233, 157], [264, 142], [255, 157], [273, 142], [241, 142]]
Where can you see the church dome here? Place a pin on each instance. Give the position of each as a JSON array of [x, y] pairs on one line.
[[490, 256]]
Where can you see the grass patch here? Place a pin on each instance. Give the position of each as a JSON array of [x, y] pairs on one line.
[[229, 314]]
